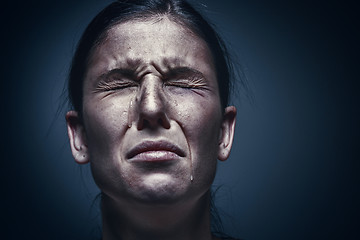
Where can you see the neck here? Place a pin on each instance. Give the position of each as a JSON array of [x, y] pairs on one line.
[[141, 221]]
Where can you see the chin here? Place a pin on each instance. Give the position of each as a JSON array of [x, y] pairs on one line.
[[160, 189]]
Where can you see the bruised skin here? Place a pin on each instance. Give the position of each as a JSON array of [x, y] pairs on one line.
[[153, 81]]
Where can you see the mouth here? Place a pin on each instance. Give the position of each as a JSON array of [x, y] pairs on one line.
[[155, 151]]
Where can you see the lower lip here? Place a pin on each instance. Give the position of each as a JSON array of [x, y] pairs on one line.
[[154, 156]]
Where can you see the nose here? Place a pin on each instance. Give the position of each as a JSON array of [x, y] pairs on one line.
[[151, 105]]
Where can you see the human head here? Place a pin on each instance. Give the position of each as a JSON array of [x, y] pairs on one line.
[[120, 11], [203, 130]]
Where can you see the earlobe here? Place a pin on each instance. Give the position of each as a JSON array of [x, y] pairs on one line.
[[227, 133], [77, 137]]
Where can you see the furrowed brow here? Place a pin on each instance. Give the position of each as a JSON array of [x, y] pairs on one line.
[[183, 72], [126, 72]]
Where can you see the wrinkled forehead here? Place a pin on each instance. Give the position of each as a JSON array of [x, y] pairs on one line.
[[159, 41], [154, 26]]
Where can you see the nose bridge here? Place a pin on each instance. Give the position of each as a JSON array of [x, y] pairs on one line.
[[151, 95], [152, 104]]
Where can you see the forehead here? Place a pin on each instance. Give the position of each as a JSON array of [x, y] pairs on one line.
[[158, 42]]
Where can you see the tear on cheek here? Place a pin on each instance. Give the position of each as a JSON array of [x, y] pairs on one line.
[[130, 113]]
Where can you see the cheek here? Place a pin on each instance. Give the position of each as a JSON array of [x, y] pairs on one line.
[[105, 126], [203, 119], [205, 134], [203, 141], [202, 123], [105, 123]]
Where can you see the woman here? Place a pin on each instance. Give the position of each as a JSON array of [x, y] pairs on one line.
[[149, 86]]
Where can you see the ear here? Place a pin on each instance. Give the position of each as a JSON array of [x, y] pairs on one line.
[[77, 137], [227, 133]]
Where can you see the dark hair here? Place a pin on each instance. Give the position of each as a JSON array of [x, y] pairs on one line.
[[179, 11]]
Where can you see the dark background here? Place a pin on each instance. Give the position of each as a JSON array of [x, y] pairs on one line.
[[293, 173]]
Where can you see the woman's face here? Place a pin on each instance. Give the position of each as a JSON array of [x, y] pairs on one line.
[[152, 119]]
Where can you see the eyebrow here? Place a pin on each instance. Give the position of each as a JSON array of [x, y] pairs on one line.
[[183, 72], [126, 72]]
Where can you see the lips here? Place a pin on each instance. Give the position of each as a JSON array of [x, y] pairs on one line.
[[155, 151]]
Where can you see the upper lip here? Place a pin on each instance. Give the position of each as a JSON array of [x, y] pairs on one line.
[[155, 146]]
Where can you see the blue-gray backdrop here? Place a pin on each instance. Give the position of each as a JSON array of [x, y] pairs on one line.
[[294, 165]]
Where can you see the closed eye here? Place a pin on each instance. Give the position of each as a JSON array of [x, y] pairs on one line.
[[191, 83], [114, 85], [116, 79], [186, 78]]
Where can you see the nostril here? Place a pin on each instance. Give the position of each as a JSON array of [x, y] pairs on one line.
[[153, 121], [164, 121]]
